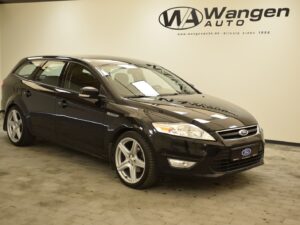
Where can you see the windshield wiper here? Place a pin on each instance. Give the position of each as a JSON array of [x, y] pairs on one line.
[[137, 96], [171, 94], [145, 96]]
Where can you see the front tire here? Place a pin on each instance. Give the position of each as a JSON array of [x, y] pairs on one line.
[[134, 161], [17, 130]]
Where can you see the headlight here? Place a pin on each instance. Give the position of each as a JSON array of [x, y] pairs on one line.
[[183, 130]]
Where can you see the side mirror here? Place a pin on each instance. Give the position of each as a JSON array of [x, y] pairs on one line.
[[89, 92]]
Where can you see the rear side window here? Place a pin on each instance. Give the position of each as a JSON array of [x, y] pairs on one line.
[[51, 72], [28, 68]]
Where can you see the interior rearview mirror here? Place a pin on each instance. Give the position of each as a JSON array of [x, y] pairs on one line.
[[89, 92]]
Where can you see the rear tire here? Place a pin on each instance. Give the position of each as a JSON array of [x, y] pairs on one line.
[[16, 127], [134, 161]]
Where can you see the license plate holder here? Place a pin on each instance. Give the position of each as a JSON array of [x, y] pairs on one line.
[[244, 153]]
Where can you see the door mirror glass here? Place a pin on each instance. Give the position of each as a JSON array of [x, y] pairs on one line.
[[89, 92]]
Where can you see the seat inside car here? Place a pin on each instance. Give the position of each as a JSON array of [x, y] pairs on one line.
[[137, 74], [122, 78]]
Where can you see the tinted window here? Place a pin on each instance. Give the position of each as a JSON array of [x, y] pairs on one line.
[[79, 77], [51, 72], [27, 69]]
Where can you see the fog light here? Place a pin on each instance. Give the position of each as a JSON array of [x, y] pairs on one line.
[[176, 163]]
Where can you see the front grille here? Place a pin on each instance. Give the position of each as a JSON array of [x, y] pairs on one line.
[[224, 163], [234, 133]]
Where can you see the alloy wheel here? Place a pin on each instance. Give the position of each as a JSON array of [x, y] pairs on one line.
[[130, 160], [14, 126]]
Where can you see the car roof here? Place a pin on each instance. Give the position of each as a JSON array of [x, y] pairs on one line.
[[94, 60]]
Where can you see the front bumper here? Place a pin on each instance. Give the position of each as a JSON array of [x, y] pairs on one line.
[[212, 159]]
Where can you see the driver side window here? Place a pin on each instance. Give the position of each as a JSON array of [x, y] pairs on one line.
[[79, 77]]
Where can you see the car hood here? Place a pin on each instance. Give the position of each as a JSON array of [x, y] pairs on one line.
[[203, 110]]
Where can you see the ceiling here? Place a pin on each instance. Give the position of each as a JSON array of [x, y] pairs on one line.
[[22, 1]]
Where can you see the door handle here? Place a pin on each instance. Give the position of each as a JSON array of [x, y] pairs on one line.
[[27, 93], [63, 103]]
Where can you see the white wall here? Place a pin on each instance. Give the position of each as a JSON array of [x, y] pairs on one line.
[[258, 72], [1, 69]]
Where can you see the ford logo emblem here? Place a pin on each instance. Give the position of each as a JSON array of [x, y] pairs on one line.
[[243, 132], [180, 18], [246, 152]]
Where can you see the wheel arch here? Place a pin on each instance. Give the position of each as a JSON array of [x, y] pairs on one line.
[[11, 103], [114, 137]]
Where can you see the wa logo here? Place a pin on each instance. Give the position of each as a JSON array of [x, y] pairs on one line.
[[180, 18]]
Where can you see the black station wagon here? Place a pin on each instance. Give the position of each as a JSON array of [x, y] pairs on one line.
[[144, 119]]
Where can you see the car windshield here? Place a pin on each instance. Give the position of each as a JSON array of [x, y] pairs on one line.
[[133, 81]]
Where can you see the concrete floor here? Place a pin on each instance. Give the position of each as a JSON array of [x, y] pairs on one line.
[[47, 184]]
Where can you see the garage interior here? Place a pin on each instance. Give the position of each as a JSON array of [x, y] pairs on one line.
[[49, 184]]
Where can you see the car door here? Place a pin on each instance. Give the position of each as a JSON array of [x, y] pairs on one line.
[[39, 97], [81, 122]]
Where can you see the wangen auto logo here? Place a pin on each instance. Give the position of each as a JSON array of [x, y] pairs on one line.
[[243, 132], [180, 18], [246, 152], [184, 17]]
